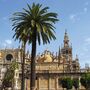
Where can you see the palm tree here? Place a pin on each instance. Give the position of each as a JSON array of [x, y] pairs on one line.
[[39, 24]]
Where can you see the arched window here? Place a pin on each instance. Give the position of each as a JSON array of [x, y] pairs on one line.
[[9, 57]]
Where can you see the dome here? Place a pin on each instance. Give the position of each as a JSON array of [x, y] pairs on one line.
[[47, 58]]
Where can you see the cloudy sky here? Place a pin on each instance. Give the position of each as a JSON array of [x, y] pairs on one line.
[[74, 15]]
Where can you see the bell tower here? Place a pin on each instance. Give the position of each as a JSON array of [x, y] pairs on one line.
[[67, 48], [66, 40]]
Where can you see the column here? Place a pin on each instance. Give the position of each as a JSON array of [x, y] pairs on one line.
[[56, 83], [79, 83], [25, 84], [16, 78], [48, 83], [38, 80]]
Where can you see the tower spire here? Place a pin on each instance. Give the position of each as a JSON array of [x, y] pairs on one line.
[[66, 39], [76, 57], [59, 53]]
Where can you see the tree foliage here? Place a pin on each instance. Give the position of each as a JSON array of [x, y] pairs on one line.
[[85, 80], [35, 18], [37, 23], [9, 75], [67, 83], [76, 83], [63, 82]]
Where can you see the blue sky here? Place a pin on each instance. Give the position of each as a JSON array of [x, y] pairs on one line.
[[74, 15]]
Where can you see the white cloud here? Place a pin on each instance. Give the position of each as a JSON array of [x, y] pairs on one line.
[[74, 17], [85, 9], [8, 41], [4, 18], [86, 3], [6, 44], [84, 51], [87, 40], [86, 46]]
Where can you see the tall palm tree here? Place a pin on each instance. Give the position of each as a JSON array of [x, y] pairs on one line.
[[39, 24]]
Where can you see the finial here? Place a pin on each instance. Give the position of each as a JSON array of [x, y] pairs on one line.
[[59, 50], [59, 53], [65, 33], [76, 57]]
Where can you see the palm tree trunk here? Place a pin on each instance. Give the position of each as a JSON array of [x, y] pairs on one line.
[[23, 63], [33, 56]]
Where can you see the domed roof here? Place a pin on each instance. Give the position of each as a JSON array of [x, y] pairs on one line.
[[47, 58]]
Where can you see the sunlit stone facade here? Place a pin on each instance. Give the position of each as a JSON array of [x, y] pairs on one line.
[[50, 67]]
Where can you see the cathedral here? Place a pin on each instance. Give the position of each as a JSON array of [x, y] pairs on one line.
[[50, 67]]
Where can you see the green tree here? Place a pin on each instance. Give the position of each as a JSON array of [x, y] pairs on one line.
[[88, 81], [39, 24], [76, 83], [63, 82], [67, 83], [9, 75], [85, 80]]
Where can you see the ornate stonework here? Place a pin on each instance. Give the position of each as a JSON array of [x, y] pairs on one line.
[[50, 67]]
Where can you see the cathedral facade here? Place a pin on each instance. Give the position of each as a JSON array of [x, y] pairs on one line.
[[50, 67]]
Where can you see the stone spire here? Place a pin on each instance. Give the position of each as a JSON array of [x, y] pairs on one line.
[[59, 55], [66, 39], [76, 57]]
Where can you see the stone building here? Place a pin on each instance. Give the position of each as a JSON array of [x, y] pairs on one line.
[[50, 67]]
